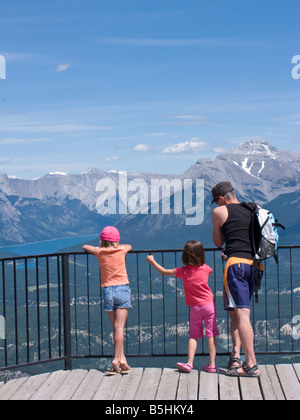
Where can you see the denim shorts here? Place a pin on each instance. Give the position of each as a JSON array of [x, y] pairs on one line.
[[117, 297]]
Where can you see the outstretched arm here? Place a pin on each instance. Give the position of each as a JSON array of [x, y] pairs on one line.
[[159, 268], [90, 249]]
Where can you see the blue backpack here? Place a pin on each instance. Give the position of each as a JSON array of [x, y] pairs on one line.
[[264, 238]]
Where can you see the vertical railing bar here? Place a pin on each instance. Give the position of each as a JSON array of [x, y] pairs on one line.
[[266, 305], [88, 302], [27, 312], [176, 304], [278, 305], [75, 303], [164, 312], [16, 312], [253, 321], [292, 300], [48, 309], [151, 309], [4, 310], [59, 307], [38, 307], [67, 313], [138, 300], [215, 276], [101, 311]]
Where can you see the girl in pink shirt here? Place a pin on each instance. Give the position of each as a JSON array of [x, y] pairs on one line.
[[199, 297], [116, 290]]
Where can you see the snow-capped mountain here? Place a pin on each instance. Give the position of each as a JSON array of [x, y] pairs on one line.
[[62, 204], [257, 170]]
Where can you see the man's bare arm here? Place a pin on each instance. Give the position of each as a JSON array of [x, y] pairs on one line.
[[219, 216]]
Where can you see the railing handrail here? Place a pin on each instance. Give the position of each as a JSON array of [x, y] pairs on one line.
[[133, 251]]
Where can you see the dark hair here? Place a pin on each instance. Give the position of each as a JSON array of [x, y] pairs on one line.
[[193, 254]]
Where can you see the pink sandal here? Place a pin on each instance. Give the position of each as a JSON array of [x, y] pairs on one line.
[[210, 369], [184, 367]]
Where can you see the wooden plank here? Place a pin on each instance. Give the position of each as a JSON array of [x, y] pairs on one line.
[[276, 383], [297, 370], [167, 388], [229, 387], [250, 389], [188, 387], [208, 389], [68, 388], [149, 384], [26, 391], [108, 387], [129, 385], [50, 386], [89, 386], [270, 384], [10, 388], [289, 382]]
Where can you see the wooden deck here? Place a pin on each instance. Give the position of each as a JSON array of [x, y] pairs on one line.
[[278, 382]]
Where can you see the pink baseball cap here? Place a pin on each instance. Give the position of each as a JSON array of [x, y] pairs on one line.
[[111, 234]]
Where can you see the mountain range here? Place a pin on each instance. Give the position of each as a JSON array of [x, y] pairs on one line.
[[61, 205]]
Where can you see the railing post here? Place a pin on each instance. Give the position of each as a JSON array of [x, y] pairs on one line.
[[67, 312]]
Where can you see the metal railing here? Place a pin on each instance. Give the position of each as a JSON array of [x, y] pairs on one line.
[[52, 308]]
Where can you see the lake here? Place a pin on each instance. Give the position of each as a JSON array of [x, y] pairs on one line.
[[46, 247]]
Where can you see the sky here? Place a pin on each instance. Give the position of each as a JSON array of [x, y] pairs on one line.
[[144, 85]]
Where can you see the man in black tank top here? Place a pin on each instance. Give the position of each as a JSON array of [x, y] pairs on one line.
[[231, 226]]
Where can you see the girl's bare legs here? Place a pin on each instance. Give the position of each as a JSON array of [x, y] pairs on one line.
[[212, 347], [118, 319], [192, 348]]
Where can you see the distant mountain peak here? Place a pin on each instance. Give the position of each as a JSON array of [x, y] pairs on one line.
[[258, 148], [255, 157]]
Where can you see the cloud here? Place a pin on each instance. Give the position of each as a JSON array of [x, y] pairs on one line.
[[62, 67], [38, 127], [293, 119], [142, 148], [194, 145], [192, 120], [192, 42], [109, 159], [14, 140], [219, 150]]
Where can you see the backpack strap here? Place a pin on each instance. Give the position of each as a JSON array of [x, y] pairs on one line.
[[277, 224], [252, 207]]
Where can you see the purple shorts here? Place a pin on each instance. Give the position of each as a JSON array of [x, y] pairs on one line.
[[207, 314]]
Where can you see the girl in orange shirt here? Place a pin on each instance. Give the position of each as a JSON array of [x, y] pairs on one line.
[[116, 290]]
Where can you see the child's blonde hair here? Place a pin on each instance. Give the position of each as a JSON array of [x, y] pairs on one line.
[[109, 244]]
